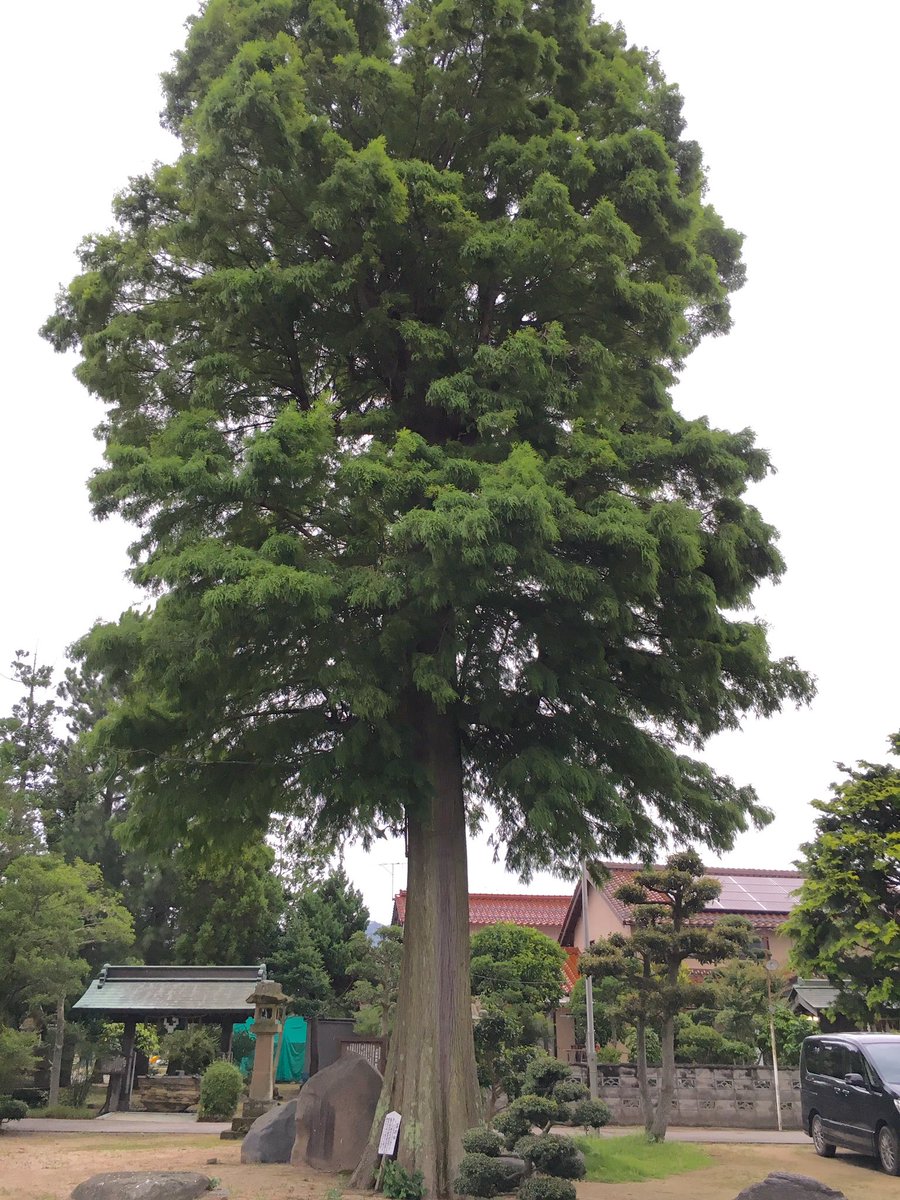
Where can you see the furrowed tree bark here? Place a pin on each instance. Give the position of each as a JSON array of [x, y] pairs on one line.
[[431, 1077]]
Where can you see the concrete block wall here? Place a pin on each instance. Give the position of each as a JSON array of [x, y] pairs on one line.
[[716, 1097]]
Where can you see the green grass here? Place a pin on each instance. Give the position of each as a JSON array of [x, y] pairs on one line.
[[63, 1112], [632, 1158]]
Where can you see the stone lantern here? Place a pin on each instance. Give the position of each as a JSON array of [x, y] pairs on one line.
[[268, 1002]]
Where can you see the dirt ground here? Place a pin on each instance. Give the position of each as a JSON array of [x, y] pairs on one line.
[[36, 1166]]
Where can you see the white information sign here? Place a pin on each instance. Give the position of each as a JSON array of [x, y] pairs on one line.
[[390, 1131]]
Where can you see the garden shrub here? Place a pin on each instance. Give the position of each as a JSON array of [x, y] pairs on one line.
[[220, 1091], [543, 1188], [567, 1090], [537, 1110], [552, 1154], [482, 1141], [482, 1175], [610, 1055], [399, 1184], [512, 1125], [190, 1050], [703, 1045], [543, 1073], [591, 1114], [652, 1042], [12, 1110]]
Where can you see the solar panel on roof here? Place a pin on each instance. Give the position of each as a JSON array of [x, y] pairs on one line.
[[752, 893]]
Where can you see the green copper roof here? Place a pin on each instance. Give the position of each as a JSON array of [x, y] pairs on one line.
[[175, 991]]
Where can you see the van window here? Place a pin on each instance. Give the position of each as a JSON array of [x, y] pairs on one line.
[[886, 1057], [856, 1064], [834, 1060], [813, 1057]]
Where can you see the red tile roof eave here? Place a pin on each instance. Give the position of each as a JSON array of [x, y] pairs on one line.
[[487, 908]]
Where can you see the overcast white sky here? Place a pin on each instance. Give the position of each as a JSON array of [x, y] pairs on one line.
[[795, 105]]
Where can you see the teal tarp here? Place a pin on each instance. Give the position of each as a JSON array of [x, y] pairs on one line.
[[290, 1050]]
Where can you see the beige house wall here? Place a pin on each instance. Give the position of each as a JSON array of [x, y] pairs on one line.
[[603, 921]]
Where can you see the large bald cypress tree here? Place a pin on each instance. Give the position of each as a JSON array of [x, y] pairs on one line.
[[387, 356]]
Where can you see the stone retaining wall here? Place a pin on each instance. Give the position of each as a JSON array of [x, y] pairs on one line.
[[723, 1097], [166, 1093]]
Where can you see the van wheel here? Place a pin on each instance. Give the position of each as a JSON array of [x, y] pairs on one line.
[[888, 1151], [821, 1146]]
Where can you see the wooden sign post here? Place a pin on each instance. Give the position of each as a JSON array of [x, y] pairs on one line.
[[387, 1146]]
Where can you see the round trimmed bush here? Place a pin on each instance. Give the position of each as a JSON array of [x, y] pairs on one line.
[[511, 1125], [12, 1110], [482, 1141], [591, 1114], [543, 1188], [537, 1110], [551, 1154], [220, 1091], [543, 1073], [481, 1175], [570, 1089]]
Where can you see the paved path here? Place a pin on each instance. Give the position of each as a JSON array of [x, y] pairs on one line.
[[761, 1137], [124, 1122], [687, 1133], [187, 1124]]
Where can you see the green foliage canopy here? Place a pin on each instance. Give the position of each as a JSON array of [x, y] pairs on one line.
[[846, 926], [55, 919], [386, 356], [515, 965]]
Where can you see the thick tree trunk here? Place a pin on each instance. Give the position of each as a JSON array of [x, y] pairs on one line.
[[431, 1078], [666, 1082], [643, 1081], [59, 1036]]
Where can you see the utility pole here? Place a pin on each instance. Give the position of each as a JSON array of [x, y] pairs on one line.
[[389, 867], [772, 965], [591, 1046]]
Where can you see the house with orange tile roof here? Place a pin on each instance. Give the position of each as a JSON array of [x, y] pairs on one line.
[[545, 913], [764, 897]]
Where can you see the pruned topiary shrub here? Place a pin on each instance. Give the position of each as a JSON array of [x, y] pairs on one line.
[[518, 1118], [543, 1073], [481, 1175], [568, 1090], [541, 1187], [552, 1154], [483, 1141], [591, 1114], [220, 1091], [537, 1110]]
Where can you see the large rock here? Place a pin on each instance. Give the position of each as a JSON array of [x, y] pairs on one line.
[[335, 1111], [144, 1185], [517, 1169], [270, 1139], [782, 1185]]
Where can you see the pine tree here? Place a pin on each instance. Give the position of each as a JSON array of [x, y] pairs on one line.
[[387, 356], [649, 960]]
